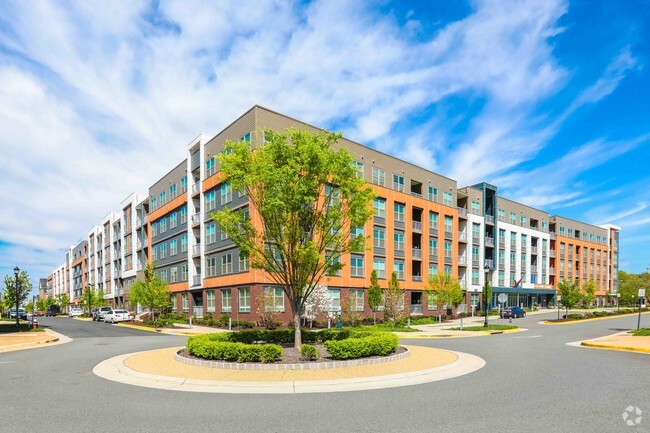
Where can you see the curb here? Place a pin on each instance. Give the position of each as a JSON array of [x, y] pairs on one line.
[[610, 347], [592, 319], [114, 369], [467, 335], [57, 339]]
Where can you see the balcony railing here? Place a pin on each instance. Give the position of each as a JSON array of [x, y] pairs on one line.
[[476, 240], [196, 188], [502, 266], [417, 253], [196, 249], [139, 245], [138, 223], [552, 254], [196, 218], [475, 263], [139, 268], [551, 271], [417, 226], [416, 277], [489, 242], [462, 236], [462, 260], [488, 264], [196, 280], [489, 219], [462, 212], [533, 250], [513, 245], [533, 269], [463, 283]]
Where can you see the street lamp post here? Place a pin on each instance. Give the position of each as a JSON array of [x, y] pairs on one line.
[[16, 272], [618, 301], [485, 306]]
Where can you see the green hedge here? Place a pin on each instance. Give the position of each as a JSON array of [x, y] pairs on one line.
[[208, 347], [362, 344], [308, 352], [279, 336]]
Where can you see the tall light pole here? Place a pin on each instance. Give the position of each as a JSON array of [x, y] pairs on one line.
[[16, 272], [486, 299]]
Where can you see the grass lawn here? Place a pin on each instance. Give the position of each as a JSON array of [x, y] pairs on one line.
[[489, 328], [643, 332], [23, 327]]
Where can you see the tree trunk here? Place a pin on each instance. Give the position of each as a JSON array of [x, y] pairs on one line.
[[298, 337], [374, 317]]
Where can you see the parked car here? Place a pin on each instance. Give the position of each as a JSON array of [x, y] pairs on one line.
[[52, 310], [513, 312], [99, 312], [21, 314], [75, 312], [115, 316]]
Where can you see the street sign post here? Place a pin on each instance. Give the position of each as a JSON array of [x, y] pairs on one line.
[[502, 298], [641, 296]]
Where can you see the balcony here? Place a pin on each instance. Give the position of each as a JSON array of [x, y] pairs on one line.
[[417, 226], [489, 242], [196, 188], [476, 240], [524, 247], [138, 223], [533, 269], [416, 310], [196, 280], [416, 277], [462, 212], [533, 250], [417, 253], [489, 219], [551, 271], [139, 267], [138, 245], [488, 264], [117, 273], [552, 254], [196, 249], [462, 261], [196, 218], [462, 236], [463, 283]]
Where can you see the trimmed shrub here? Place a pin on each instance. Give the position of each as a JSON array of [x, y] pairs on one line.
[[362, 344], [216, 346], [308, 352]]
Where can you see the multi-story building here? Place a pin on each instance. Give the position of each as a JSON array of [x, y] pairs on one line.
[[423, 225]]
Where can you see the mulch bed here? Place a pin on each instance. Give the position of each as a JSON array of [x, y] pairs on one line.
[[292, 356]]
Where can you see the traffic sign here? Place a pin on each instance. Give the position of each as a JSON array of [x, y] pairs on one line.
[[641, 293], [503, 298]]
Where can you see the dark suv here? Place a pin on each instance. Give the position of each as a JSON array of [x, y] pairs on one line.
[[513, 312], [52, 310], [99, 312]]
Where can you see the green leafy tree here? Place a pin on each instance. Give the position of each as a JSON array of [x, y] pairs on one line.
[[63, 301], [41, 304], [92, 297], [628, 287], [12, 292], [445, 290], [486, 295], [570, 294], [589, 293], [305, 198], [393, 299], [374, 295], [152, 293]]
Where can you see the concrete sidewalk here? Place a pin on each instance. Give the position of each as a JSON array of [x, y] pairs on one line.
[[621, 341], [27, 340]]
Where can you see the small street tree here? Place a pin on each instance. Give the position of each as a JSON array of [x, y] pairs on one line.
[[393, 299], [589, 293], [570, 294], [11, 293], [63, 301], [445, 290], [152, 293], [375, 295], [305, 198], [92, 297], [41, 304], [316, 302], [486, 296], [269, 314]]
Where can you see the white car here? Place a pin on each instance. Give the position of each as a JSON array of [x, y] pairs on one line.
[[75, 312], [115, 316]]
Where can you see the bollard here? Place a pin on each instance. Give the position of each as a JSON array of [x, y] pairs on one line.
[[329, 323], [229, 323], [190, 322], [510, 321], [408, 321], [461, 323]]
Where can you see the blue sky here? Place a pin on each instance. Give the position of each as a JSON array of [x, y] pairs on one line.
[[549, 100]]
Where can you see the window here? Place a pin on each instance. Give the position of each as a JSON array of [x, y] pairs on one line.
[[163, 251], [210, 266], [183, 243], [163, 198], [356, 266], [448, 224], [512, 218], [333, 259], [501, 215], [433, 194], [184, 302], [226, 300], [333, 300], [476, 232], [432, 302], [244, 299], [447, 199], [524, 241], [278, 299], [398, 183], [173, 247], [222, 234], [379, 237], [209, 300], [448, 271], [154, 228], [475, 254], [399, 212], [184, 214], [210, 234], [173, 220], [243, 262], [379, 265], [399, 241], [184, 184], [226, 264], [398, 268], [502, 277], [332, 195], [433, 246], [184, 273], [448, 250], [163, 225], [153, 203], [247, 137], [475, 277], [356, 232], [210, 200], [209, 167], [433, 269], [358, 166], [476, 208], [433, 220], [378, 176], [523, 220], [380, 207], [172, 191], [544, 227], [173, 273], [226, 193], [357, 299]]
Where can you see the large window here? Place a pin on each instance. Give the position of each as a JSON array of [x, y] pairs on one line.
[[210, 200], [433, 194], [226, 193], [398, 183], [210, 301], [378, 176], [333, 300], [357, 299], [173, 275], [172, 191], [398, 268], [356, 266], [244, 299], [243, 262], [448, 250], [447, 199], [226, 264], [399, 212], [210, 233], [379, 205], [173, 220], [173, 247], [210, 266], [163, 225], [163, 251], [358, 167], [448, 224], [184, 214], [399, 241], [379, 265], [184, 302], [210, 167], [276, 294], [379, 237], [226, 300], [184, 273], [433, 220], [183, 243]]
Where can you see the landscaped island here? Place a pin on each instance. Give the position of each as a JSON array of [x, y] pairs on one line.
[[272, 346]]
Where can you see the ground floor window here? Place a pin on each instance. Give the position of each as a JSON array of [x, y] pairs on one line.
[[276, 298], [333, 300], [474, 299], [226, 301], [244, 300], [209, 298], [174, 303], [184, 303], [357, 299]]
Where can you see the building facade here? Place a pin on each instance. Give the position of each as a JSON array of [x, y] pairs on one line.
[[423, 225]]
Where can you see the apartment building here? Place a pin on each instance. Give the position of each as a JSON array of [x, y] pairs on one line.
[[424, 224]]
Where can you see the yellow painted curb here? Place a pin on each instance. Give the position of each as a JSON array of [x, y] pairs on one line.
[[592, 319], [142, 328], [622, 348]]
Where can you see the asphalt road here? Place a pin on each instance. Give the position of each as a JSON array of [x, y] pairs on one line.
[[533, 382]]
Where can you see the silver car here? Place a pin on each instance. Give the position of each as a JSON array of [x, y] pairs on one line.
[[115, 316]]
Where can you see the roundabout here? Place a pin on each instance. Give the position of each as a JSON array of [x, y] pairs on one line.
[[159, 369]]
